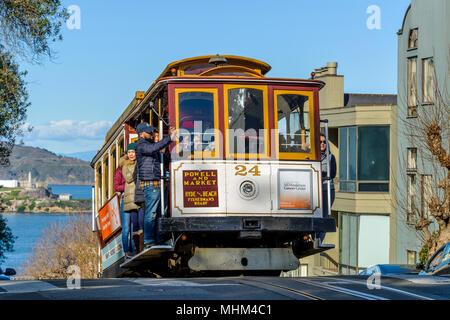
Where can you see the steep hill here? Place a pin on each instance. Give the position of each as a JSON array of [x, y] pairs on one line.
[[46, 167]]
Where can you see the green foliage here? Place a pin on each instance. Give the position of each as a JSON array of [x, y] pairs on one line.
[[27, 26], [21, 208], [423, 254], [13, 104], [6, 238], [32, 205]]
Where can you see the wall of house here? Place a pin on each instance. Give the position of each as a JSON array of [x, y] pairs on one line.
[[431, 18]]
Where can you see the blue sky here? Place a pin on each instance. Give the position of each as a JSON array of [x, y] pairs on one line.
[[122, 46]]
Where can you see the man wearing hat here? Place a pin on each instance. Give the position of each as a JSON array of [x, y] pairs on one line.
[[149, 171]]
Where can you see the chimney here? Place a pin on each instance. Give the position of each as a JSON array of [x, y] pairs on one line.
[[332, 66], [332, 95]]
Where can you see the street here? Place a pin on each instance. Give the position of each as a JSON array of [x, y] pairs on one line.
[[402, 287]]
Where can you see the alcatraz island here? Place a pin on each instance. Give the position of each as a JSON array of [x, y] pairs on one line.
[[31, 198]]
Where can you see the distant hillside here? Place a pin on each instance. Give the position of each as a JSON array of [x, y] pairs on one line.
[[85, 156], [46, 167]]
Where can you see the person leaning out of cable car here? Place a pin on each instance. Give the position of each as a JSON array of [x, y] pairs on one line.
[[149, 172], [136, 212], [131, 213], [323, 150]]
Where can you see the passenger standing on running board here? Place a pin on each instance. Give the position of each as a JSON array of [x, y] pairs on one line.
[[149, 171], [323, 151]]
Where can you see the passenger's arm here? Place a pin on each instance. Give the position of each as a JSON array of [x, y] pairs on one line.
[[332, 167], [147, 149], [118, 186]]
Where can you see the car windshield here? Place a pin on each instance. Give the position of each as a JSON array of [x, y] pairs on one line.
[[446, 255], [434, 262]]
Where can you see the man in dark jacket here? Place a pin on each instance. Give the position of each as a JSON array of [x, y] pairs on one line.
[[149, 171]]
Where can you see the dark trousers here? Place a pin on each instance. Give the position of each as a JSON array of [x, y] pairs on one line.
[[326, 214]]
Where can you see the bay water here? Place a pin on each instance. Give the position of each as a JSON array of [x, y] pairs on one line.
[[29, 227]]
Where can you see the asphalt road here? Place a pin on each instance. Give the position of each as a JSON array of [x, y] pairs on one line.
[[401, 287]]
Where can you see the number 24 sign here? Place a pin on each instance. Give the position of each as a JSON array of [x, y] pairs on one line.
[[242, 171]]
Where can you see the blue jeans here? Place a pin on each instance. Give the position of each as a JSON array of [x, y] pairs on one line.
[[152, 213], [137, 219], [126, 226]]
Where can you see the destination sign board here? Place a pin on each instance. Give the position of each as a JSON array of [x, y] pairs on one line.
[[200, 188]]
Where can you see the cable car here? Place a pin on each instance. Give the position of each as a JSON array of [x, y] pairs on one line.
[[244, 176]]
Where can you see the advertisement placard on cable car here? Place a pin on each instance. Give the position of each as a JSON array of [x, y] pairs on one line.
[[295, 189], [113, 252], [109, 218]]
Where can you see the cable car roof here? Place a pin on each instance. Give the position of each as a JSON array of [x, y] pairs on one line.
[[195, 66]]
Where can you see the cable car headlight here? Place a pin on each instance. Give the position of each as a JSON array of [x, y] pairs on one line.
[[248, 190]]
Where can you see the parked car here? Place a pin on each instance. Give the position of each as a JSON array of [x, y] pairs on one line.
[[386, 269], [8, 272], [439, 263]]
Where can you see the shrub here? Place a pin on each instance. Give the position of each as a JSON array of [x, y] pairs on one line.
[[64, 244]]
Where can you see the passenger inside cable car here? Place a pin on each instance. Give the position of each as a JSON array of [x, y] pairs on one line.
[[293, 123]]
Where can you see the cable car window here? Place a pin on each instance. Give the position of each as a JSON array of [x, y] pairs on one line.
[[246, 121], [99, 187], [293, 123], [196, 121], [106, 177]]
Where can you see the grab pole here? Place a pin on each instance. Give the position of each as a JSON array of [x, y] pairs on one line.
[[161, 154]]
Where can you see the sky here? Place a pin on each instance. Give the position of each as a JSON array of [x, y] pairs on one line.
[[112, 48]]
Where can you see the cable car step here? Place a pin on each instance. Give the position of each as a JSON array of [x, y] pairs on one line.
[[146, 254]]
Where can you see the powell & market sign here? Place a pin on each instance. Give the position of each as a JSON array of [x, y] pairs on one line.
[[200, 188]]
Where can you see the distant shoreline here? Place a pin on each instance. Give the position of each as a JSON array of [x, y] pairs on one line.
[[47, 213]]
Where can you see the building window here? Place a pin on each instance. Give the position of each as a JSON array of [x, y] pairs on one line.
[[364, 159], [364, 241], [426, 193], [413, 40], [411, 257], [411, 198], [428, 80], [412, 159], [412, 87]]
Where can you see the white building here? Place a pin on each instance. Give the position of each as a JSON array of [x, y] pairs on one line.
[[64, 197], [9, 183]]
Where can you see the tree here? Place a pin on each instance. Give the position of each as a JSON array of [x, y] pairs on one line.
[[6, 238], [13, 104], [62, 245], [26, 28], [429, 132]]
